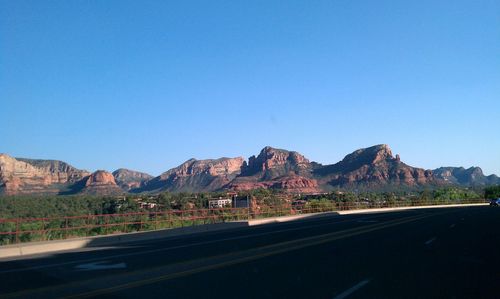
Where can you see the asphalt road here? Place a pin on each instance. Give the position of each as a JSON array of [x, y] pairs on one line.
[[426, 253]]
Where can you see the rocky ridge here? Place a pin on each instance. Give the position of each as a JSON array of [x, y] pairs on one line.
[[277, 169], [100, 182], [374, 167], [196, 176], [369, 168], [472, 176], [129, 179], [28, 176]]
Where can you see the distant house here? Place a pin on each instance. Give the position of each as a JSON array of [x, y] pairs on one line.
[[219, 203], [148, 205], [232, 194]]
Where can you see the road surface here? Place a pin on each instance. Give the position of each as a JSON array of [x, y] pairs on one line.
[[425, 253]]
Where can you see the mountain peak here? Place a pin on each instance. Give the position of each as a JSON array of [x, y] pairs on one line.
[[269, 150], [471, 176], [101, 182], [371, 155], [100, 177], [129, 179], [197, 175], [272, 162]]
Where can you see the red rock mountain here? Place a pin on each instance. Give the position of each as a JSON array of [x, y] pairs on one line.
[[374, 167], [369, 168], [278, 169], [29, 176], [128, 179], [101, 183], [196, 176], [32, 176], [472, 176]]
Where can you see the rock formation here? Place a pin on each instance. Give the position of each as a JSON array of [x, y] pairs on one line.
[[100, 183], [472, 176], [369, 168], [196, 175], [278, 169], [128, 179], [374, 167], [28, 176]]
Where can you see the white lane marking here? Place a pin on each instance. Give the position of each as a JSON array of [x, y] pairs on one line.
[[353, 289], [102, 265], [430, 241], [453, 225], [173, 247]]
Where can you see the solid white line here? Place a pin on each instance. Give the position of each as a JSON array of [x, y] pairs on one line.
[[430, 241], [348, 292]]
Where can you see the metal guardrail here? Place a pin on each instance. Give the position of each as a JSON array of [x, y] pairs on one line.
[[52, 228]]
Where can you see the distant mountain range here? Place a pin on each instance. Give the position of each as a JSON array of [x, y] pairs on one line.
[[373, 168]]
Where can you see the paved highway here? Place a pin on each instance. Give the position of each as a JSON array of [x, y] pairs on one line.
[[426, 253]]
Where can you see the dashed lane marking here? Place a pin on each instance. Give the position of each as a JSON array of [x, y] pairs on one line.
[[353, 289]]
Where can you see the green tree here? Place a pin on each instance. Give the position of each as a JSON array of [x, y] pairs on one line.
[[492, 192]]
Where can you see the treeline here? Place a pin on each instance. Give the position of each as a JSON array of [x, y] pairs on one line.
[[55, 206], [492, 192]]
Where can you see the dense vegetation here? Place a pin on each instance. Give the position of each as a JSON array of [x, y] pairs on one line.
[[492, 192], [264, 203], [56, 206]]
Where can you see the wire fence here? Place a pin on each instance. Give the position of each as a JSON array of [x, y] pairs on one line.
[[19, 230]]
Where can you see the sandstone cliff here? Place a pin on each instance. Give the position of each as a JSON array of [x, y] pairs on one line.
[[278, 169], [100, 183], [374, 167], [370, 168], [128, 179], [472, 176], [29, 176], [196, 175]]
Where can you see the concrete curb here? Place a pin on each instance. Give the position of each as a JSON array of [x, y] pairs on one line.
[[25, 249], [363, 211], [349, 212], [280, 219]]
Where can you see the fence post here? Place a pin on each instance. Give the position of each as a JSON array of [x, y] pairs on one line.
[[17, 230], [141, 222], [44, 235], [156, 220], [87, 225], [66, 228]]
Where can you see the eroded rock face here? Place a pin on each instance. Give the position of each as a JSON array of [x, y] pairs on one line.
[[277, 169], [102, 183], [273, 162], [472, 176], [219, 167], [29, 176], [292, 184], [196, 175], [128, 179], [100, 177], [372, 167]]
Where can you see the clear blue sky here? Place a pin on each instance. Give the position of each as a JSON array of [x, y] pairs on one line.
[[147, 85]]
